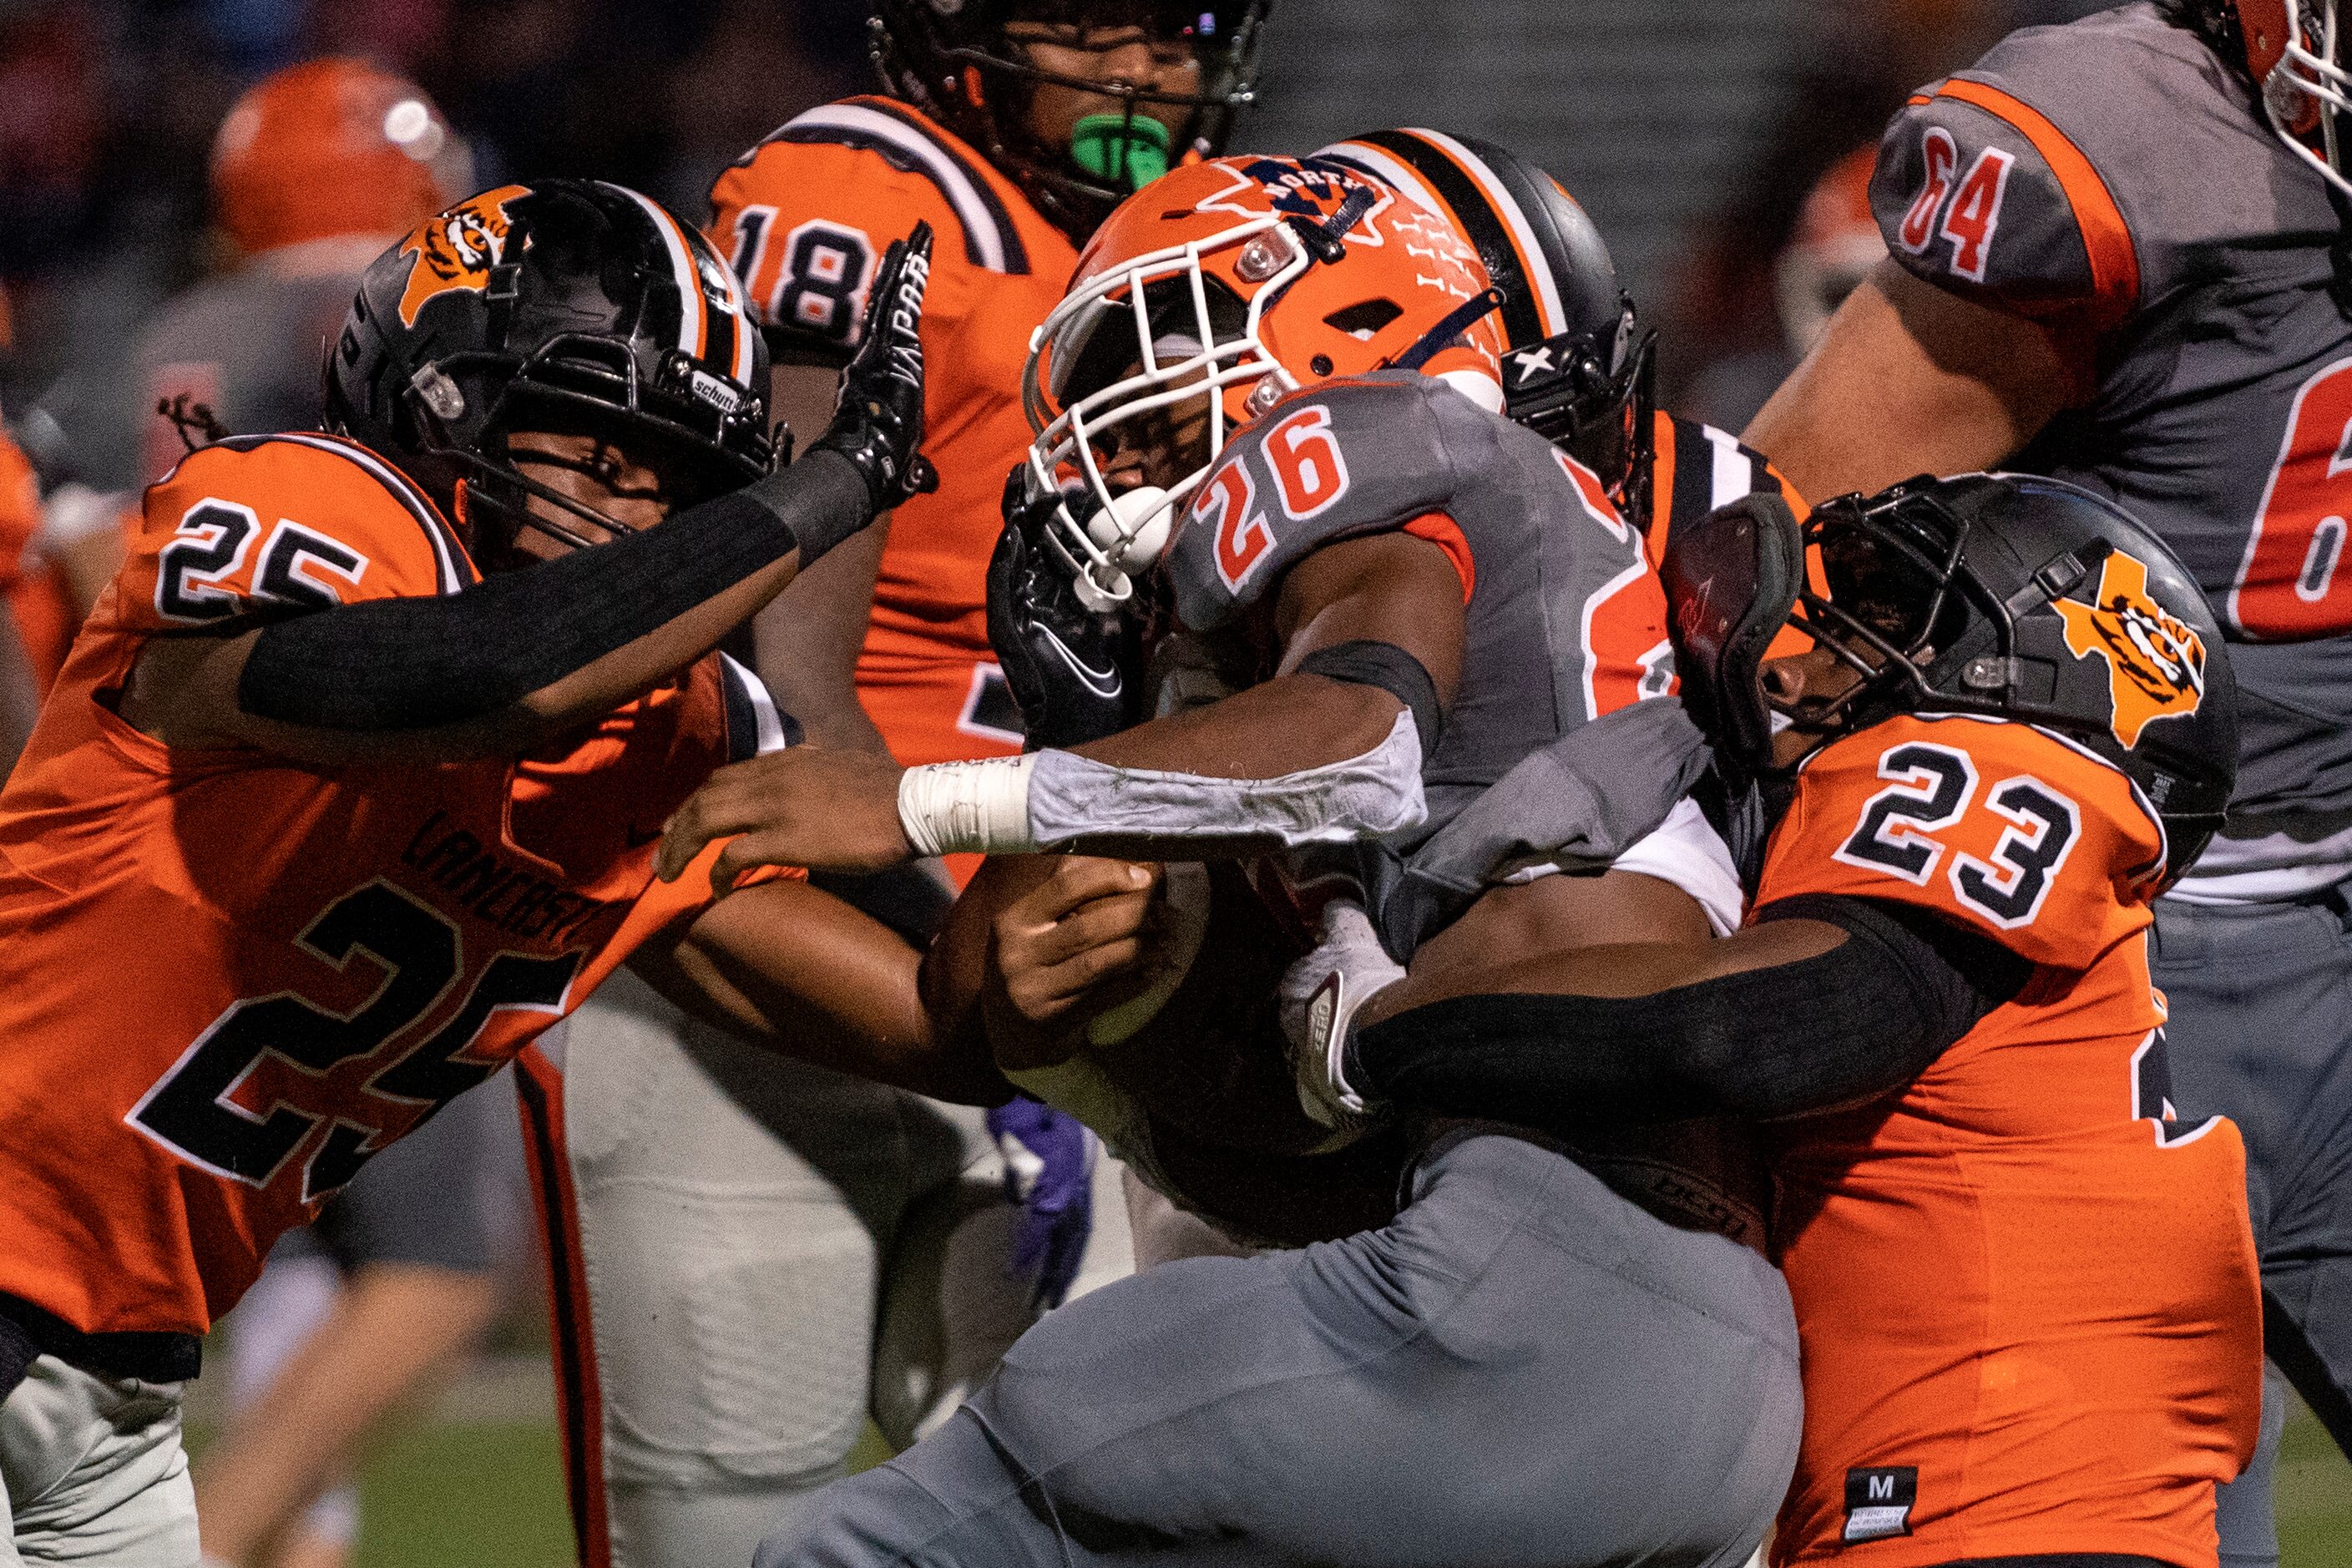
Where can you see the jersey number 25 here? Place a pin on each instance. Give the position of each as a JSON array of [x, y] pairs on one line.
[[192, 1109]]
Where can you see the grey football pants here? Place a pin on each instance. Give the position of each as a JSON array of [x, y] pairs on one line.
[[1521, 1368], [2261, 1031]]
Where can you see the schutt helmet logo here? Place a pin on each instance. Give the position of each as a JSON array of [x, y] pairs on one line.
[[457, 248], [2156, 665]]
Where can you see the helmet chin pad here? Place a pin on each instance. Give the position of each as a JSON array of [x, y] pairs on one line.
[[1732, 581]]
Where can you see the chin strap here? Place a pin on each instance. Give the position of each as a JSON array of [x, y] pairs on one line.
[[1324, 240], [1456, 322]]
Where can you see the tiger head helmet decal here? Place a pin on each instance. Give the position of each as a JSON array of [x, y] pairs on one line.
[[2155, 664], [457, 249]]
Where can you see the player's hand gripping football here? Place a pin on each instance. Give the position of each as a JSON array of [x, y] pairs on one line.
[[877, 422], [1067, 665], [1076, 945]]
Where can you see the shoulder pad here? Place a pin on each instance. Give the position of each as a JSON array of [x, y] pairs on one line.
[[1699, 469], [1337, 460], [805, 215], [1977, 191], [2078, 172], [2001, 827], [304, 520]]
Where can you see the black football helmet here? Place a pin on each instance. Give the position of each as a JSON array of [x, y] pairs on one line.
[[2005, 594], [954, 60], [569, 306], [1578, 365]]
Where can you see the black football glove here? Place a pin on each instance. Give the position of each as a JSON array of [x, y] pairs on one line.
[[877, 423], [1070, 668]]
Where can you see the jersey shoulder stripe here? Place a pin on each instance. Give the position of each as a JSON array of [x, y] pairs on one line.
[[452, 565], [1707, 469], [2107, 237], [912, 144]]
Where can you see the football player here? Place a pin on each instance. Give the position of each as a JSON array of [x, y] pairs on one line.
[[315, 169], [357, 817], [1012, 127], [1244, 284], [2015, 728], [1580, 365], [2141, 288], [1375, 562]]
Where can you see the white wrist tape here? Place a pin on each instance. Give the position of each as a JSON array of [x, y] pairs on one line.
[[979, 807]]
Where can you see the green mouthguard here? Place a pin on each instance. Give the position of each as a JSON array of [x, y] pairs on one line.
[[1099, 141]]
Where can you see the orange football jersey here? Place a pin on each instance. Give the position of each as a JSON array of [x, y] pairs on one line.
[[37, 602], [805, 215], [228, 979], [2027, 1294]]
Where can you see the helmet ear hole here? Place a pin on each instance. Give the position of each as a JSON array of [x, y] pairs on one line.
[[1364, 321]]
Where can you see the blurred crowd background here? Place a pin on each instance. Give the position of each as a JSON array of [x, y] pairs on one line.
[[1692, 128]]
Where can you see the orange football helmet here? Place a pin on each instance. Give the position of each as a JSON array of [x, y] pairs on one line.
[[1836, 244], [1236, 280], [333, 147]]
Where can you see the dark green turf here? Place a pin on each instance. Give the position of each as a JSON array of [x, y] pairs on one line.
[[2315, 1498], [465, 1497]]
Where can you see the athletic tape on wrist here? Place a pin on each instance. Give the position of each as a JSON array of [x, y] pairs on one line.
[[959, 808]]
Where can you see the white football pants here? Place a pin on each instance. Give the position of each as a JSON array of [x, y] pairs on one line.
[[753, 1256], [92, 1473]]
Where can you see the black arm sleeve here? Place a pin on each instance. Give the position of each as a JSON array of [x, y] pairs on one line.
[[1364, 662], [416, 664], [1862, 1019]]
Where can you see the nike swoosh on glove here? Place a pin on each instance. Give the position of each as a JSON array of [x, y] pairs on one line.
[[1049, 1161], [1068, 665]]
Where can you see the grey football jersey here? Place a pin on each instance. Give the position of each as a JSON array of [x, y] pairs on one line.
[[248, 344], [2113, 180], [1565, 619]]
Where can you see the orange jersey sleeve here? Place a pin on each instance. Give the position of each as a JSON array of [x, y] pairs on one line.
[[215, 538], [805, 217], [1997, 826], [20, 508]]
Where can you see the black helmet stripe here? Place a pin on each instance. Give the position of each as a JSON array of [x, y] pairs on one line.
[[1490, 220]]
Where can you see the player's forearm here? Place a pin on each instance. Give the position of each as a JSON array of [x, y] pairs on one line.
[[512, 660], [1301, 760], [796, 971], [808, 641], [1667, 1032]]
